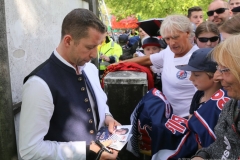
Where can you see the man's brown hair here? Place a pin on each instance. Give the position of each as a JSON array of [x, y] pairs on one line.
[[78, 21], [193, 9]]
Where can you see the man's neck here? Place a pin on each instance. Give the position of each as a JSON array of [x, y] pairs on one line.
[[211, 91], [184, 52]]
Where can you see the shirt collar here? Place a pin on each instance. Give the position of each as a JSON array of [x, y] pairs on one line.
[[80, 68]]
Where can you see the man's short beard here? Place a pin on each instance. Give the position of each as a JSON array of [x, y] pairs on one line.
[[220, 23]]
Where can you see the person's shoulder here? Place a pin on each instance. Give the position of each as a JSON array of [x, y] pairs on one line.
[[198, 94], [116, 45], [166, 51], [90, 65], [194, 48], [230, 104]]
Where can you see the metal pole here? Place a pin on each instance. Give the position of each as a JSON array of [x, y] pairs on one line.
[[105, 8], [109, 21], [8, 148]]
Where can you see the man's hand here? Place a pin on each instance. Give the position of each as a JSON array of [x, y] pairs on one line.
[[105, 58], [105, 155], [111, 123]]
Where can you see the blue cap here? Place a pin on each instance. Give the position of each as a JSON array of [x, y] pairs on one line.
[[133, 40], [123, 38], [151, 41], [200, 61]]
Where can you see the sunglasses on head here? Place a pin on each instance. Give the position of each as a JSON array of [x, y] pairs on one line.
[[218, 11], [211, 39]]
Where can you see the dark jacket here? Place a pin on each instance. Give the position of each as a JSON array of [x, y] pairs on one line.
[[72, 119], [227, 144]]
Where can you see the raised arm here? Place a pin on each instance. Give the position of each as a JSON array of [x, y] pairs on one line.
[[143, 60]]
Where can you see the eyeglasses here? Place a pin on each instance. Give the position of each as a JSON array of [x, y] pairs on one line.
[[218, 11], [211, 39], [222, 70]]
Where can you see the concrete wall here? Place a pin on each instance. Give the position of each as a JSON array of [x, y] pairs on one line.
[[31, 31], [7, 135]]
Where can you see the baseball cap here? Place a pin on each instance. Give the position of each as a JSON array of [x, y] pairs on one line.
[[200, 61], [236, 9], [150, 41], [123, 38], [133, 40]]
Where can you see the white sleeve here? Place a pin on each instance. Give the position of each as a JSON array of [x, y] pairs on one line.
[[157, 59], [36, 112]]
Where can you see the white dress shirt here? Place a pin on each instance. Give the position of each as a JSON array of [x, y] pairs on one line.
[[37, 110]]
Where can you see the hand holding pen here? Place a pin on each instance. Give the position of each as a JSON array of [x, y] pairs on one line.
[[104, 153], [103, 147]]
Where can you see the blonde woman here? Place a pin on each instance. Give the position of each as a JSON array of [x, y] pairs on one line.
[[227, 130]]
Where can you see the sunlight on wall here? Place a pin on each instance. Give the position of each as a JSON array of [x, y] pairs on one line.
[[33, 32]]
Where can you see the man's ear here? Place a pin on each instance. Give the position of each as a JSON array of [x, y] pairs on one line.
[[195, 39], [230, 13], [67, 39]]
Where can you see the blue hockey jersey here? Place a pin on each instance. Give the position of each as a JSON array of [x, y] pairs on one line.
[[163, 135]]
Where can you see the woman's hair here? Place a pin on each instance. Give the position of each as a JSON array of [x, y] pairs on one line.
[[174, 23], [227, 54], [207, 27], [231, 26]]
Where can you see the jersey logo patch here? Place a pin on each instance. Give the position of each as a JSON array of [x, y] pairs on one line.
[[181, 74]]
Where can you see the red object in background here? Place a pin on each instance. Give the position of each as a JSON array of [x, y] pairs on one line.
[[129, 22], [129, 66]]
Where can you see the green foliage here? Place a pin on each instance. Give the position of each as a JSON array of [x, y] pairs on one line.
[[153, 8]]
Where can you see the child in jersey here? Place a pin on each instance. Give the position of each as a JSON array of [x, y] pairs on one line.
[[150, 46], [202, 71], [209, 99], [171, 136]]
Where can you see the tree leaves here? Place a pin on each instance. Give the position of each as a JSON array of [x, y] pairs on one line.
[[147, 9]]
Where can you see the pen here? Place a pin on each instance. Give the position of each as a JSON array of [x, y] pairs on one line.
[[102, 146]]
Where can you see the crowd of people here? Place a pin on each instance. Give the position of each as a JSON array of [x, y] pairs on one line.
[[197, 69], [179, 84]]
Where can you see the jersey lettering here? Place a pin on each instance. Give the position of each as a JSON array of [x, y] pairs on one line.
[[219, 97], [175, 124], [144, 137], [221, 102]]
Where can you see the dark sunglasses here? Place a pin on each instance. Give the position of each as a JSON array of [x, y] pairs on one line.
[[218, 11], [211, 39]]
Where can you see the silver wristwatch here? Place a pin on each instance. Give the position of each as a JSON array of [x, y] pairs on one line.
[[108, 114]]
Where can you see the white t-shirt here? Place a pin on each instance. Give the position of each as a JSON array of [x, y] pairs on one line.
[[140, 54], [177, 87]]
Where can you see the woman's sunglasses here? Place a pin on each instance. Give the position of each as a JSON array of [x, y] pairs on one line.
[[218, 11], [211, 39]]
